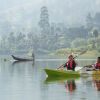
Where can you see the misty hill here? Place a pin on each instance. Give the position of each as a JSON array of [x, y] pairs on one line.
[[24, 15]]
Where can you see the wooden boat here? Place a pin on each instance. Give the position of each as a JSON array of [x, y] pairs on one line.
[[72, 74], [21, 59]]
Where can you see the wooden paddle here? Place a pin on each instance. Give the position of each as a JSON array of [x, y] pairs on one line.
[[74, 58]]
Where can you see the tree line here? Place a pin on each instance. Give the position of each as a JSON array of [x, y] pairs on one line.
[[53, 36]]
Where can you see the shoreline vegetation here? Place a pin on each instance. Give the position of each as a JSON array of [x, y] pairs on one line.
[[63, 53], [92, 48], [88, 55]]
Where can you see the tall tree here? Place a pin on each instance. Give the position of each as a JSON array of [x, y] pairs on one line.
[[89, 21], [95, 33], [44, 21]]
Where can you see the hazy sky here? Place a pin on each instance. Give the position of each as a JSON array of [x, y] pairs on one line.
[[5, 4], [20, 13], [59, 10]]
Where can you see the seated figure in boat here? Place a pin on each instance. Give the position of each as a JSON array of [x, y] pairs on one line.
[[71, 64], [96, 66]]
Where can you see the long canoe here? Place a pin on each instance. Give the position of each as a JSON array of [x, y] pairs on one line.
[[21, 59], [72, 74]]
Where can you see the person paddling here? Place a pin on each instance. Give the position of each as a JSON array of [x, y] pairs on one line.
[[71, 64], [97, 65]]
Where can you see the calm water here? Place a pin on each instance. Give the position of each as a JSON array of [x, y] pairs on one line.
[[25, 81]]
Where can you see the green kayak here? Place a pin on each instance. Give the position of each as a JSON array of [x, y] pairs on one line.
[[70, 74], [61, 73]]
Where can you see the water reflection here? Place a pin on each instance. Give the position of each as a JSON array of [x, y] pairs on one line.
[[59, 79], [70, 85], [96, 80], [67, 84], [17, 62], [23, 81]]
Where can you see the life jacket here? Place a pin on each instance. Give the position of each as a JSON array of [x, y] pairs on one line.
[[71, 64], [97, 66]]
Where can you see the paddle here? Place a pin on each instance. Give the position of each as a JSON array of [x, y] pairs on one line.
[[87, 66], [74, 58]]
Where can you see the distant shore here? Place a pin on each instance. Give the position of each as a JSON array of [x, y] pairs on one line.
[[63, 53]]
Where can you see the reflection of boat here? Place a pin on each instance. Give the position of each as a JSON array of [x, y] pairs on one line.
[[64, 73], [58, 79], [18, 62], [21, 59]]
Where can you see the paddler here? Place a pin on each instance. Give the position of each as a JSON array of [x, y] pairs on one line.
[[71, 64], [97, 65]]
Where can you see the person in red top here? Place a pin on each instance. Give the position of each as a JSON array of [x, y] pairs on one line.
[[97, 65], [71, 64]]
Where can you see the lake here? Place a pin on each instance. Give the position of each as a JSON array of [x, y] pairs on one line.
[[26, 81]]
